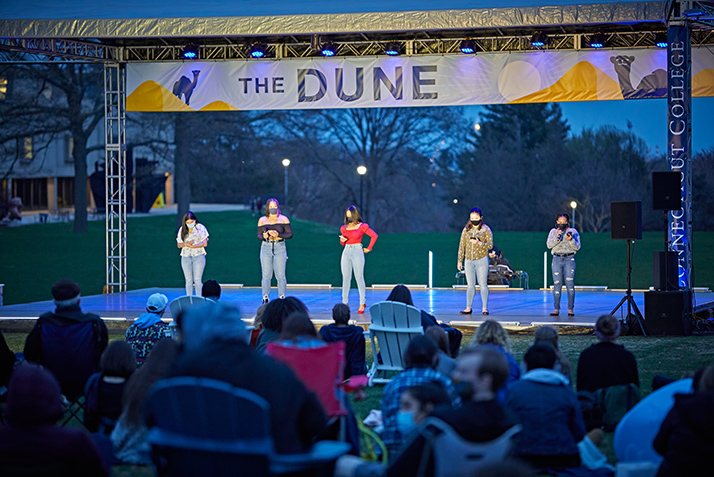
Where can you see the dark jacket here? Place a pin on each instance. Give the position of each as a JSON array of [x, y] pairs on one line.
[[686, 438], [353, 336], [550, 414], [296, 414], [606, 364], [7, 361]]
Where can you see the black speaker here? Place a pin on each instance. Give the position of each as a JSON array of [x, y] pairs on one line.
[[665, 271], [667, 313], [666, 190], [626, 220]]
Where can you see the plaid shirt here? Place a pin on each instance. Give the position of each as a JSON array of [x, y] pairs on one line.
[[392, 393]]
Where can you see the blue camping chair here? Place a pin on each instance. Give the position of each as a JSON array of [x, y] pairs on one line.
[[202, 426]]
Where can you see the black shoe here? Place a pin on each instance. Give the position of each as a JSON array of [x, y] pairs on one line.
[[555, 313], [484, 312], [465, 312], [571, 313], [265, 300]]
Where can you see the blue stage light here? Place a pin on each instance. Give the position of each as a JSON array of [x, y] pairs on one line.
[[190, 52], [328, 49], [468, 46], [539, 39], [393, 48], [597, 41], [258, 50], [661, 40]]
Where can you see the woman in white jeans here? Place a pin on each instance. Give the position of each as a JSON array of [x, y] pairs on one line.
[[353, 255], [476, 241], [192, 240]]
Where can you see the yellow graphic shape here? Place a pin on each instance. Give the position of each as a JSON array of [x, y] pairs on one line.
[[582, 82], [219, 106], [150, 96], [703, 83]]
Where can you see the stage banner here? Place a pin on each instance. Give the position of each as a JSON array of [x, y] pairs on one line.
[[324, 83], [679, 148]]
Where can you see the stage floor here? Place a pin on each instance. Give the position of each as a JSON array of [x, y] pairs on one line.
[[512, 307]]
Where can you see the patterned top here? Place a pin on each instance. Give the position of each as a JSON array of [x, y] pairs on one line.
[[474, 250], [142, 340], [391, 436], [561, 245], [197, 235]]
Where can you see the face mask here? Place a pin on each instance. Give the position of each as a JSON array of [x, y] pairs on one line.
[[476, 222], [405, 422], [561, 226], [464, 389], [273, 210], [190, 226]]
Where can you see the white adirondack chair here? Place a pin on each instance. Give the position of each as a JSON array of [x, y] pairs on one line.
[[185, 302], [393, 326]]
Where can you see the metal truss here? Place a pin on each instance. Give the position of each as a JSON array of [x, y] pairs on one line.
[[115, 175], [24, 50]]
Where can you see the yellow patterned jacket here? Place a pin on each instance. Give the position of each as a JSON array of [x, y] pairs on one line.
[[473, 250]]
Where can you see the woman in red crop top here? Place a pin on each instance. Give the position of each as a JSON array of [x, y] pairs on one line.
[[353, 255]]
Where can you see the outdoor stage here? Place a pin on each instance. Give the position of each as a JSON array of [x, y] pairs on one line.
[[512, 307]]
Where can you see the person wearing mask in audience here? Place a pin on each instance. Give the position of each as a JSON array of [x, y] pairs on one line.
[[149, 328], [563, 242], [352, 335], [476, 240], [273, 230], [352, 260], [192, 239]]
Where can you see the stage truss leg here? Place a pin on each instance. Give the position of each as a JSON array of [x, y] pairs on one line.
[[115, 175]]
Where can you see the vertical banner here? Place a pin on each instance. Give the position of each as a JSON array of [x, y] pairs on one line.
[[679, 144]]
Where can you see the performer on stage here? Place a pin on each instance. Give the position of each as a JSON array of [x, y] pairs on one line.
[[353, 255], [273, 230], [476, 241], [563, 242], [192, 240]]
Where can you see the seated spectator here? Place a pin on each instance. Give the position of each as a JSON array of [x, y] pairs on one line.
[[273, 316], [352, 335], [7, 361], [148, 328], [30, 441], [211, 290], [685, 438], [441, 340], [257, 325], [549, 335], [129, 437], [216, 346], [491, 333], [103, 393], [417, 402], [549, 412], [500, 271], [420, 359], [606, 363], [401, 294], [67, 355]]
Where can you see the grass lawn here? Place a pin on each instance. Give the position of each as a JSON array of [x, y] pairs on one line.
[[38, 255]]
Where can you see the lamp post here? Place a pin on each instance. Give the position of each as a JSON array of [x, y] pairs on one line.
[[361, 170], [286, 163], [573, 205]]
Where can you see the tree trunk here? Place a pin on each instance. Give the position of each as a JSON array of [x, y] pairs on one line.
[[182, 159]]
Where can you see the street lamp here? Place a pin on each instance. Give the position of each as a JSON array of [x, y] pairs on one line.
[[361, 170], [573, 205], [286, 163]]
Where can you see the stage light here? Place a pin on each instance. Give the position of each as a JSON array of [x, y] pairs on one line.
[[190, 52], [468, 46], [328, 49], [539, 39], [661, 40], [393, 48], [597, 41], [258, 50]]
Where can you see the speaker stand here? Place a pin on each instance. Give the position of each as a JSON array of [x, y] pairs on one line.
[[633, 313]]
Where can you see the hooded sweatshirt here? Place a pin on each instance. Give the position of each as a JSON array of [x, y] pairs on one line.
[[144, 333], [353, 336]]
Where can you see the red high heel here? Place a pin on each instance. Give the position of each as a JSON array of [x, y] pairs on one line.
[[361, 309]]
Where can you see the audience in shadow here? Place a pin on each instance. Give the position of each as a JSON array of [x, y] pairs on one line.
[[276, 311], [351, 335], [549, 335], [491, 333]]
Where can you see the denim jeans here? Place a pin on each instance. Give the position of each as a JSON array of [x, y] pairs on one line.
[[193, 273], [563, 267], [273, 258], [353, 260], [476, 269]]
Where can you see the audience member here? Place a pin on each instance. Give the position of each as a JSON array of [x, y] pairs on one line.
[[491, 333], [685, 439], [211, 290], [257, 325], [401, 294], [549, 335], [353, 337], [549, 412], [7, 361], [104, 390], [129, 437], [417, 402], [273, 316], [148, 328], [606, 363], [74, 370], [30, 441], [441, 340], [216, 346], [420, 359]]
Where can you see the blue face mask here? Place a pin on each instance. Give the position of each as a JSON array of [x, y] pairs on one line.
[[190, 226], [405, 422]]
